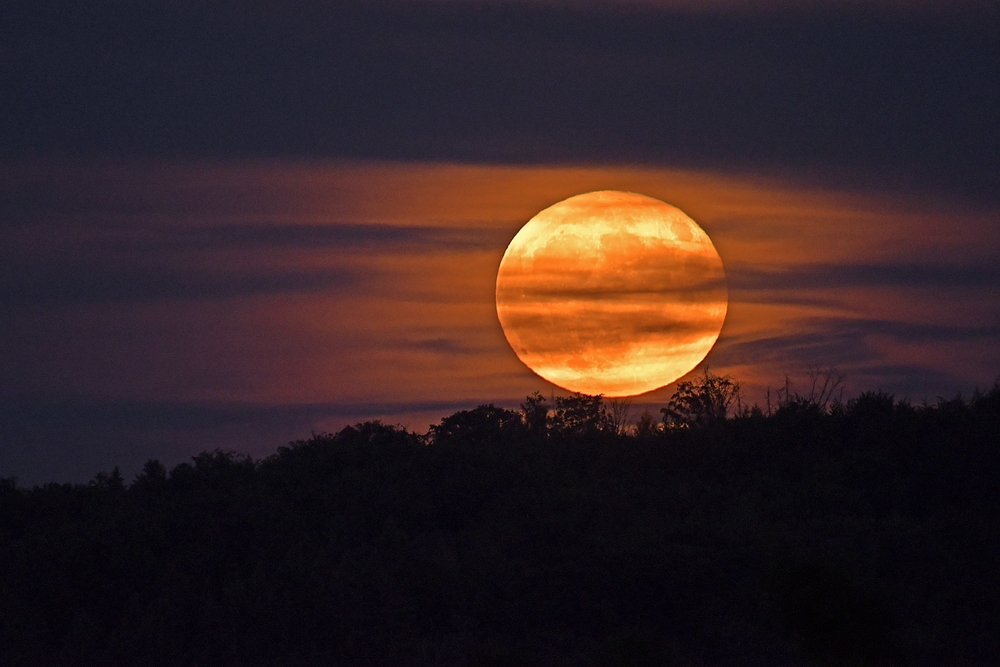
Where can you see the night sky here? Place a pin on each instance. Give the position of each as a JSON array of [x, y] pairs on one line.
[[231, 224]]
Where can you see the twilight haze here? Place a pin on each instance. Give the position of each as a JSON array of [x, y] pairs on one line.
[[232, 224]]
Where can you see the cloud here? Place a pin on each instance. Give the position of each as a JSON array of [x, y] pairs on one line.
[[22, 288], [159, 241], [838, 343], [443, 346], [380, 237], [857, 345], [25, 411], [45, 439], [908, 380], [833, 276], [905, 97], [85, 262], [385, 274], [974, 7]]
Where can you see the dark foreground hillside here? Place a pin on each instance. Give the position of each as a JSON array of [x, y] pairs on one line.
[[868, 534]]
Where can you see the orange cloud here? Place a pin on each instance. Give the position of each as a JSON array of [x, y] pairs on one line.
[[365, 283]]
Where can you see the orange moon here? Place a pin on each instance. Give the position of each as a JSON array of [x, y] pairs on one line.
[[611, 293]]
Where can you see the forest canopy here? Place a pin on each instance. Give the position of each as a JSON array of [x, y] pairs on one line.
[[811, 531]]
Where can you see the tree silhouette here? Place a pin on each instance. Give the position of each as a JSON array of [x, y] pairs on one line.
[[701, 402], [582, 415], [618, 410], [535, 413], [487, 422], [861, 534], [645, 426]]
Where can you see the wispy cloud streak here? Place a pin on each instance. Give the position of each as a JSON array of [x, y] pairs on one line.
[[251, 304], [889, 274]]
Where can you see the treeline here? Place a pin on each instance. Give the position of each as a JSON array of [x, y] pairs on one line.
[[812, 533]]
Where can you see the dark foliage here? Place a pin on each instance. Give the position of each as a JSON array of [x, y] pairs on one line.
[[705, 401], [865, 533]]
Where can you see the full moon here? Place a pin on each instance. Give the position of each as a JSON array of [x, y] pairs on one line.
[[611, 293]]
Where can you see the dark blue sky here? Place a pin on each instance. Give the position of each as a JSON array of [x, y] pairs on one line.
[[897, 96], [227, 224]]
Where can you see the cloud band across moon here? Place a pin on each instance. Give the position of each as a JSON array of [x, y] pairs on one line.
[[611, 293]]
